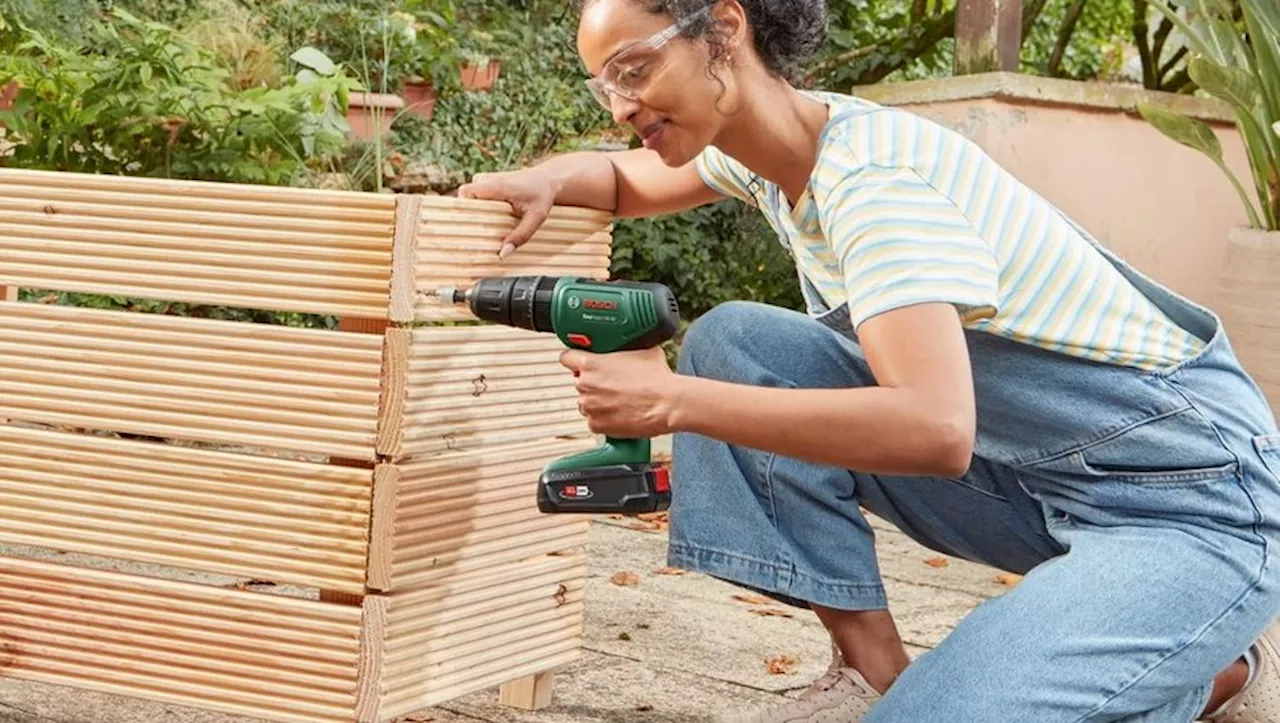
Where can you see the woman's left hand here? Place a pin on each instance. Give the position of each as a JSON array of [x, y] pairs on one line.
[[626, 394]]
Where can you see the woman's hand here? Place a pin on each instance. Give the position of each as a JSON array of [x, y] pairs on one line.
[[628, 394], [530, 194]]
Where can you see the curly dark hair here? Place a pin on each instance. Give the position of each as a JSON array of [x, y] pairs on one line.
[[786, 33]]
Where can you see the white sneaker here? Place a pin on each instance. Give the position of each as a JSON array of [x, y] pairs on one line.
[[1259, 702], [841, 695]]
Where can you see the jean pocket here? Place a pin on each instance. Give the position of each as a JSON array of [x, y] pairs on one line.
[[1268, 448], [1177, 448]]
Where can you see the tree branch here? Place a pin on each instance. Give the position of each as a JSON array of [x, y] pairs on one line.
[[916, 41], [1065, 33], [1140, 28], [1031, 11], [918, 8], [1172, 63], [1162, 34]]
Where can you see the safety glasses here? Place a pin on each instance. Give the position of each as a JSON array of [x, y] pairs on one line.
[[628, 73]]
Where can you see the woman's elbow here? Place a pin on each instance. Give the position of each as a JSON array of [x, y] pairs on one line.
[[953, 446]]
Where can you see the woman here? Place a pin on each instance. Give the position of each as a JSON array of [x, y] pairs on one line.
[[973, 368]]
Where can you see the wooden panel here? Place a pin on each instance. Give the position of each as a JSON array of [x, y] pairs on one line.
[[223, 244], [458, 242], [477, 386], [463, 511], [262, 386], [227, 650], [256, 517], [477, 630]]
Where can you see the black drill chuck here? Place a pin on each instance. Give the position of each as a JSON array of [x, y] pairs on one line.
[[520, 301]]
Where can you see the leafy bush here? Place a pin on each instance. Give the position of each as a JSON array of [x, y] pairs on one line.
[[144, 100]]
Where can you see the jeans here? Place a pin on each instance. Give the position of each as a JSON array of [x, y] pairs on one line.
[[1142, 507]]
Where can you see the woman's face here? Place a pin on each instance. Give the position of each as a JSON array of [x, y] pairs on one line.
[[674, 108]]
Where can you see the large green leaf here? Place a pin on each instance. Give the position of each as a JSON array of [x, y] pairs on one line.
[[314, 59], [1189, 132], [1197, 134], [1276, 128], [1226, 82]]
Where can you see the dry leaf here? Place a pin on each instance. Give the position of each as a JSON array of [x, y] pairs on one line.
[[936, 562], [625, 578], [644, 707], [1008, 578], [752, 599], [781, 664], [771, 612], [669, 571], [624, 635]]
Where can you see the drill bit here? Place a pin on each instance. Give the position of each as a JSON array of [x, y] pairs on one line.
[[448, 294]]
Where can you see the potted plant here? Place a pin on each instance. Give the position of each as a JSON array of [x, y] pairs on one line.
[[1238, 62], [433, 56], [479, 69]]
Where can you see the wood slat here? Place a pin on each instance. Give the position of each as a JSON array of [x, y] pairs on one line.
[[473, 387], [223, 649], [263, 518], [197, 380], [266, 248], [458, 241], [471, 626]]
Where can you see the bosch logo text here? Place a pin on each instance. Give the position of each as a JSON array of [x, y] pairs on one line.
[[600, 304]]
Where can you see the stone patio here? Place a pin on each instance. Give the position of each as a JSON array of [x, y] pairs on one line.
[[668, 648]]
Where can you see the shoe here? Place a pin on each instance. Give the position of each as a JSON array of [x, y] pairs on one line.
[[1259, 702], [841, 695]]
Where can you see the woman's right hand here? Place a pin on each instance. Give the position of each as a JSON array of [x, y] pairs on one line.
[[530, 193]]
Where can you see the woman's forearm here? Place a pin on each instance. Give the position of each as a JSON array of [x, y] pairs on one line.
[[877, 430], [583, 178]]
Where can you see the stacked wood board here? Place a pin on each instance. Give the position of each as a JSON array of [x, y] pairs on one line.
[[383, 483]]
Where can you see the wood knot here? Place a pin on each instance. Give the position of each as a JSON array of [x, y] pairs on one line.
[[450, 440], [561, 591], [50, 209], [481, 386]]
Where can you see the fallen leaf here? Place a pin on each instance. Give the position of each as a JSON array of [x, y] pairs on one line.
[[771, 612], [936, 562], [624, 635], [781, 664], [752, 599], [644, 707], [625, 578], [669, 571], [1008, 578]]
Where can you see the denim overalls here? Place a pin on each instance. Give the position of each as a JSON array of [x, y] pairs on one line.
[[1142, 506]]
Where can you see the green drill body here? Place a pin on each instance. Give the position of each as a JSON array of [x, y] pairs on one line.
[[599, 317]]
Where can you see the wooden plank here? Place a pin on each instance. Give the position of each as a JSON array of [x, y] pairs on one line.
[[197, 380], [988, 36], [220, 649], [474, 387], [532, 692], [403, 252], [373, 627], [261, 518], [275, 249], [458, 242], [397, 349]]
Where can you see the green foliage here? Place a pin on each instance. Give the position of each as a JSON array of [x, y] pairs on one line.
[[141, 99], [707, 256], [1238, 62], [1103, 24], [146, 306], [537, 106]]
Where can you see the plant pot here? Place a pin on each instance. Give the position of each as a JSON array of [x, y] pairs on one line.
[[370, 114], [7, 95], [420, 98], [476, 77], [1247, 299]]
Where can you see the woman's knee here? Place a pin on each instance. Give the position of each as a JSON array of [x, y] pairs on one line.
[[721, 335]]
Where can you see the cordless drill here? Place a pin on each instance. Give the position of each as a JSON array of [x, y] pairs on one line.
[[599, 317]]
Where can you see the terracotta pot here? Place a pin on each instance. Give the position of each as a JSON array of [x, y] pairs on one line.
[[1248, 301], [420, 98], [7, 95], [370, 114], [475, 77]]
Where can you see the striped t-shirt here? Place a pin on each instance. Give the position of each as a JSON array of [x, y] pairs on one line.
[[901, 210]]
